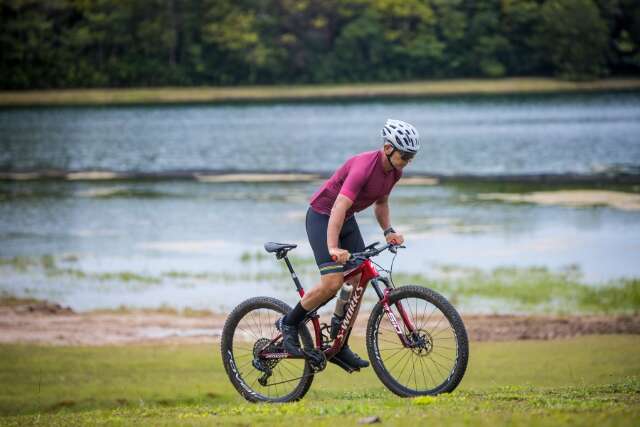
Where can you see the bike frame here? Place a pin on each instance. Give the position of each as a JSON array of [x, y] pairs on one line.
[[367, 273]]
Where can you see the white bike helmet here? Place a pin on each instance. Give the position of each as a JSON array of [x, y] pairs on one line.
[[402, 135]]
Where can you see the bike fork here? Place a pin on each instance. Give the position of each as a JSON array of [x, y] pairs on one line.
[[384, 299]]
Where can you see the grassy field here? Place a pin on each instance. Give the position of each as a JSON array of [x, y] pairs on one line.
[[172, 95], [587, 381]]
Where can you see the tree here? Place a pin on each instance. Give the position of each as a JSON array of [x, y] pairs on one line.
[[574, 38], [519, 21]]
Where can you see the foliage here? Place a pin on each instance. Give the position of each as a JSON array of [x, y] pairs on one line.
[[575, 37], [116, 43]]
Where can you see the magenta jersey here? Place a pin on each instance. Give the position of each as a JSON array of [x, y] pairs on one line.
[[362, 179]]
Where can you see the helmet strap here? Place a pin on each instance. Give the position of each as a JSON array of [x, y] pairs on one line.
[[389, 159]]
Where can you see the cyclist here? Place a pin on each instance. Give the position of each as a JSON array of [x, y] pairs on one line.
[[333, 232]]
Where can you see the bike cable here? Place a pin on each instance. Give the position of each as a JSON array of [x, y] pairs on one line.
[[389, 271]]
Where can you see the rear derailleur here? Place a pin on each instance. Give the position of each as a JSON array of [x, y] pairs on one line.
[[264, 365], [316, 358]]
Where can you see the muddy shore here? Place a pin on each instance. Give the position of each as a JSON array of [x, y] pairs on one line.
[[51, 324]]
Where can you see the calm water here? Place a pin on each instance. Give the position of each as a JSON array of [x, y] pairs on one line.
[[503, 135], [180, 243]]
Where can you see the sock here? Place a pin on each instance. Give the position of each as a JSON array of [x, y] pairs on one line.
[[295, 316]]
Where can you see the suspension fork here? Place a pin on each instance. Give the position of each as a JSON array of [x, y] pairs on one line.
[[384, 300]]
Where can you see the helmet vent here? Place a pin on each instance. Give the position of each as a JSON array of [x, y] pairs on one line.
[[401, 135]]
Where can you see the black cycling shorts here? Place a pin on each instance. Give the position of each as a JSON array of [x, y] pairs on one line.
[[349, 239]]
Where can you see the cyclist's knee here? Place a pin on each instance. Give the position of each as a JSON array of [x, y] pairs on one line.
[[331, 283]]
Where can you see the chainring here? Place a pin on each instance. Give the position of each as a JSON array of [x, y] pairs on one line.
[[317, 360]]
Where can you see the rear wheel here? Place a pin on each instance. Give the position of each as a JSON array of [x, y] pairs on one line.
[[249, 329], [436, 359]]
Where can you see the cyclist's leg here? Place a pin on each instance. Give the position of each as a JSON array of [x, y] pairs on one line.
[[331, 273], [323, 291], [331, 277], [352, 241], [331, 280]]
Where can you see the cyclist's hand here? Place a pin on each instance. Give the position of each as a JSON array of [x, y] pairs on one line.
[[338, 255], [395, 238]]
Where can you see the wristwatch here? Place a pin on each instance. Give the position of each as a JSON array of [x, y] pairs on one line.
[[389, 231]]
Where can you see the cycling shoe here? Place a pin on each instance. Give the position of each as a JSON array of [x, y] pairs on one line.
[[348, 357], [290, 340]]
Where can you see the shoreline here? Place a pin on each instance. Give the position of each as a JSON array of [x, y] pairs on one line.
[[212, 176], [45, 323], [319, 92]]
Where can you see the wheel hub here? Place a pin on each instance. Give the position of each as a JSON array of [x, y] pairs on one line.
[[421, 342], [261, 364]]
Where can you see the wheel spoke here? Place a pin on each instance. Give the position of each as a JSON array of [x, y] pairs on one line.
[[439, 354], [441, 331], [398, 361], [426, 385], [392, 342], [255, 329], [428, 364], [394, 354]]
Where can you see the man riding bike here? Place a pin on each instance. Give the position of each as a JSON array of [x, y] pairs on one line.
[[333, 232]]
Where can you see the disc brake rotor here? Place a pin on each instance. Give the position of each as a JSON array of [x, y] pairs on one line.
[[423, 344]]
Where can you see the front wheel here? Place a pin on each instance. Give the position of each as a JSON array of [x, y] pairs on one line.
[[435, 359]]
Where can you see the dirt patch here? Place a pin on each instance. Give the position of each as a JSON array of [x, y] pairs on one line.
[[614, 199], [52, 324], [508, 328]]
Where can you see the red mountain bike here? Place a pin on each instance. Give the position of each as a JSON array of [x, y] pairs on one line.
[[415, 338]]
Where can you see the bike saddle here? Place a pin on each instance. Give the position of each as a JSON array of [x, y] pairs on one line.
[[277, 247]]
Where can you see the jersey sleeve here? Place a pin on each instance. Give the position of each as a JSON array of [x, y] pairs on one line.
[[353, 183]]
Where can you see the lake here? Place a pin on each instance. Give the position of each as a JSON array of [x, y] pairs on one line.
[[96, 244]]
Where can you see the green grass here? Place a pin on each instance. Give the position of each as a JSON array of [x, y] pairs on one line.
[[586, 381], [49, 266], [532, 289], [8, 300], [308, 92]]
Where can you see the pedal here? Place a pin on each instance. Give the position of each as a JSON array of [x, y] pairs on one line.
[[344, 365]]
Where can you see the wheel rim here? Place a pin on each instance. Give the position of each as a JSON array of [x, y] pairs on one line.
[[427, 365], [253, 333]]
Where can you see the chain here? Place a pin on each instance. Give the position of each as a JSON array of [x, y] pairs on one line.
[[293, 379]]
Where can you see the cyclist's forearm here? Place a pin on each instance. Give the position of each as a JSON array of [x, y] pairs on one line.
[[336, 220], [383, 215]]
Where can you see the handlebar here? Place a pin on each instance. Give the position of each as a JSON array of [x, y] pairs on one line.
[[371, 251]]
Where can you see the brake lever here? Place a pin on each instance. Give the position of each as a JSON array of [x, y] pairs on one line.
[[394, 248]]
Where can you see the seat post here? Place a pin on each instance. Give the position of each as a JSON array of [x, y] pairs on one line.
[[294, 276]]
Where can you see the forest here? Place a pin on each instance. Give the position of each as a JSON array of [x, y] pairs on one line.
[[147, 43]]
